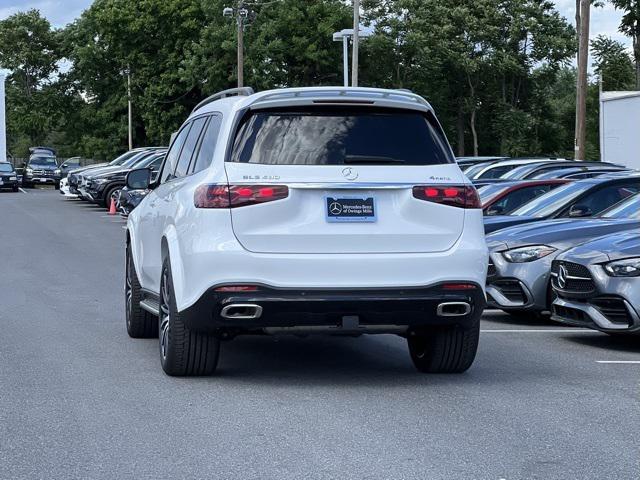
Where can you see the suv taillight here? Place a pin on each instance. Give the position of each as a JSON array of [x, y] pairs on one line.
[[233, 196], [463, 196]]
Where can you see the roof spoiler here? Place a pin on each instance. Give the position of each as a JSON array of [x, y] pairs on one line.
[[232, 92]]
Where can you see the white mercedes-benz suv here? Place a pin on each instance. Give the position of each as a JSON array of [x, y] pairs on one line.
[[323, 210]]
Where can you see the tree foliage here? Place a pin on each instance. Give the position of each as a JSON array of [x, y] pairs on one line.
[[497, 71]]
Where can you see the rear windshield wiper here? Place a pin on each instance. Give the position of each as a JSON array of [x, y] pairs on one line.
[[370, 159]]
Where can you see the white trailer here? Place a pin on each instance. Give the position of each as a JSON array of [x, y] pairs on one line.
[[620, 128]]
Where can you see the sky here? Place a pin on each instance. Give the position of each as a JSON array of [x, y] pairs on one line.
[[60, 12]]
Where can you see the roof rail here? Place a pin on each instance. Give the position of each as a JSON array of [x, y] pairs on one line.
[[346, 93], [242, 91]]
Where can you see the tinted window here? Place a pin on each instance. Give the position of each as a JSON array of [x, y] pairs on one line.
[[331, 136], [552, 201], [6, 167], [43, 162], [189, 147], [208, 145], [629, 208], [606, 197], [513, 200], [497, 172], [173, 154], [489, 192]]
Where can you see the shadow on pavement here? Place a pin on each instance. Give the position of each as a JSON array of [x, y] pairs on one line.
[[603, 341]]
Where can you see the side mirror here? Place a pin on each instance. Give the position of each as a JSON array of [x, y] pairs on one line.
[[579, 211], [139, 179], [495, 210]]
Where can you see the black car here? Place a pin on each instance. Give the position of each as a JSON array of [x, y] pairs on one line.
[[131, 198], [8, 177], [41, 169], [584, 198], [74, 176], [105, 186]]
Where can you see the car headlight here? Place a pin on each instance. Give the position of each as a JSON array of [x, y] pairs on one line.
[[629, 267], [13, 178], [528, 254], [99, 181], [29, 171], [57, 171]]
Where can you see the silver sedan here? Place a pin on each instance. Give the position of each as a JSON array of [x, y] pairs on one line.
[[598, 284], [518, 280]]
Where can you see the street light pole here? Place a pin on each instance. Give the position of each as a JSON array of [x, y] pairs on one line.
[[130, 108], [356, 42], [345, 60]]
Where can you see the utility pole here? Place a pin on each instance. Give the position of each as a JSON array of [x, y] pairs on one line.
[[356, 43], [581, 87], [241, 14], [130, 108], [240, 48]]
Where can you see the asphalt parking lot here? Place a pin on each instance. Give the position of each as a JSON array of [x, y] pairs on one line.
[[80, 399]]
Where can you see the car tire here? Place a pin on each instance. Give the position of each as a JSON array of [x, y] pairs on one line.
[[140, 323], [107, 197], [183, 352], [444, 349]]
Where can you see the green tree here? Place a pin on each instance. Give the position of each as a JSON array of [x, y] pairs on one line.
[[30, 50], [612, 63], [630, 26]]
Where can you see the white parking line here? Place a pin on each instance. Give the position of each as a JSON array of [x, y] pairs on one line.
[[538, 330], [22, 190], [623, 362]]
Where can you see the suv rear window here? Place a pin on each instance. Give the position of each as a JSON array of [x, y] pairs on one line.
[[329, 136]]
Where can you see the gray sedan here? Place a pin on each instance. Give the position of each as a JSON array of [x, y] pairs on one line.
[[518, 280], [598, 284]]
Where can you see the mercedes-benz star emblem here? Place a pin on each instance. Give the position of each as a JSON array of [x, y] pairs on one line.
[[350, 174], [562, 276], [335, 208]]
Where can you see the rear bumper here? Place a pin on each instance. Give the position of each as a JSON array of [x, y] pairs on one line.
[[342, 311]]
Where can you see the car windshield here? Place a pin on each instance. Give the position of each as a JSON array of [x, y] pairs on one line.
[[473, 170], [340, 136], [123, 158], [43, 162], [153, 160], [136, 159], [629, 208], [6, 167], [496, 171], [548, 203], [521, 171], [488, 192]]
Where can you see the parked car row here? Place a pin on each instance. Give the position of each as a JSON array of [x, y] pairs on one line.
[[543, 256], [103, 183]]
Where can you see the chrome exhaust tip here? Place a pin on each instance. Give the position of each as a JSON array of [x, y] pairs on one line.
[[241, 311], [453, 309]]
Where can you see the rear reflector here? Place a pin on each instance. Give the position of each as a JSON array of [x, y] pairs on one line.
[[233, 196], [459, 286], [237, 288], [463, 196]]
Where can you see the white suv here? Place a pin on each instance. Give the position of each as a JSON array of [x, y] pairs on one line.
[[307, 210]]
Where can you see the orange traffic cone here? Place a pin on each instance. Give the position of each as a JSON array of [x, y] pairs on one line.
[[112, 207]]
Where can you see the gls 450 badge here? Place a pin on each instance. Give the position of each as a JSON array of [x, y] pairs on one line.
[[261, 177]]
